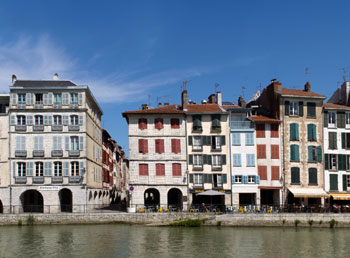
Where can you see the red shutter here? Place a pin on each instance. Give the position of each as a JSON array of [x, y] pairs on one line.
[[260, 131], [175, 123], [173, 145], [158, 123], [274, 130], [176, 169], [274, 151], [143, 169], [275, 173], [178, 149], [161, 146], [261, 151], [142, 123], [262, 171], [140, 145], [160, 169], [157, 145], [145, 146]]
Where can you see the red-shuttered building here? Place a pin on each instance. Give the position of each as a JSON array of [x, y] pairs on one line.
[[108, 149]]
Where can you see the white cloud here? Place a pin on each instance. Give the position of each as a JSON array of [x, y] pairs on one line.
[[41, 58]]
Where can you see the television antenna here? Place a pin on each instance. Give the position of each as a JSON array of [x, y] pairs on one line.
[[243, 88], [344, 73], [184, 84], [307, 72], [216, 85]]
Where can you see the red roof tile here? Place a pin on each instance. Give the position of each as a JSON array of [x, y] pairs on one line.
[[203, 108], [301, 93], [227, 107], [335, 106], [264, 119], [171, 109]]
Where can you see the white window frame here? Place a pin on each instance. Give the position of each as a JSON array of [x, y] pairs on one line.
[[217, 143], [216, 161], [197, 179], [293, 108], [57, 165], [57, 98], [197, 161], [21, 169], [219, 181], [74, 143], [347, 120], [197, 142], [21, 120], [57, 120], [332, 119], [39, 168], [238, 179], [38, 120], [39, 102], [74, 98], [21, 98], [74, 168], [74, 120], [332, 162], [251, 179]]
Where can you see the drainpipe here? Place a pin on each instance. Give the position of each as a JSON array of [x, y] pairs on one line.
[[230, 154], [187, 170], [9, 161], [284, 196]]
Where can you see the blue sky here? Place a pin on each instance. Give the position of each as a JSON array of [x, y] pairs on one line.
[[127, 50]]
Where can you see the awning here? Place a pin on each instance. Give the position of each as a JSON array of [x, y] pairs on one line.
[[340, 196], [300, 192]]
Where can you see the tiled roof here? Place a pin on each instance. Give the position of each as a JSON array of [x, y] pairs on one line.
[[171, 109], [301, 93], [43, 83], [335, 106], [227, 107], [203, 108], [264, 119]]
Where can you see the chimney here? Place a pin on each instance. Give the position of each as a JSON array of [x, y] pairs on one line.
[[166, 104], [184, 100], [55, 76], [211, 99], [307, 86], [241, 102], [159, 104], [144, 106], [14, 78], [219, 98]]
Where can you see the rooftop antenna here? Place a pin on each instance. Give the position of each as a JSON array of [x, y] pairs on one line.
[[149, 100], [259, 87], [344, 74], [184, 84], [243, 88], [307, 72], [216, 85]]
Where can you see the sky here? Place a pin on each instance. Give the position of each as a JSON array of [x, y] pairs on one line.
[[133, 52]]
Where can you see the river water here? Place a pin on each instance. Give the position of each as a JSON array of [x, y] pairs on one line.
[[140, 241]]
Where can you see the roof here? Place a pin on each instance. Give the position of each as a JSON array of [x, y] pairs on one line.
[[43, 83], [204, 108], [335, 106], [171, 109], [263, 119], [300, 93], [227, 107]]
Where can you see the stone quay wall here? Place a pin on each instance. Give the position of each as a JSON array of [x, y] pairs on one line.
[[165, 219]]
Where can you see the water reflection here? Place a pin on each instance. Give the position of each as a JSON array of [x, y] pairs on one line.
[[139, 241]]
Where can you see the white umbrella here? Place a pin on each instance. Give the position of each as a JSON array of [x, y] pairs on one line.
[[210, 193]]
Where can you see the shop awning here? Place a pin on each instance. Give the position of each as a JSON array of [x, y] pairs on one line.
[[340, 196], [301, 192]]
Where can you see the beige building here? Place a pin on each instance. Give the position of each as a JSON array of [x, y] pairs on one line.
[[55, 147], [302, 139]]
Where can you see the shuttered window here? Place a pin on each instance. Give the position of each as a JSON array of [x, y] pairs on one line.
[[332, 140], [262, 171], [294, 152], [341, 162], [237, 160], [333, 182], [175, 146], [275, 151], [311, 109], [158, 123], [143, 146], [143, 169], [142, 123], [236, 139], [197, 123], [260, 131], [274, 130], [160, 169], [159, 146], [215, 122], [294, 132], [311, 132], [275, 173], [249, 139], [261, 151], [250, 160], [312, 176], [176, 169], [295, 177], [175, 123], [340, 119]]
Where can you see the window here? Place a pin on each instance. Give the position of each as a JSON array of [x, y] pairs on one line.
[[198, 179], [275, 173], [347, 119], [216, 161], [57, 168], [38, 98], [218, 180], [74, 120], [332, 161], [236, 139], [293, 108], [21, 98], [175, 146], [57, 120], [274, 130], [21, 169], [142, 123], [312, 176], [57, 142], [39, 120], [159, 146], [160, 169], [348, 181], [294, 132], [74, 143], [250, 160], [38, 143], [57, 98], [215, 122], [295, 175], [39, 169], [143, 146], [262, 172], [197, 161], [74, 168], [237, 160], [143, 169], [197, 123], [249, 139], [238, 179], [332, 140], [197, 143], [158, 123], [331, 119], [275, 151], [260, 131], [216, 142], [74, 98], [294, 152], [333, 182], [261, 151], [20, 143], [21, 120], [311, 132], [314, 154], [175, 123], [345, 140], [311, 109], [176, 169], [251, 179]]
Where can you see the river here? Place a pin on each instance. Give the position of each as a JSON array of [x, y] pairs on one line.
[[141, 241]]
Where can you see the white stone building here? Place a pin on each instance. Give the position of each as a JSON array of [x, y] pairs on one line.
[[55, 147]]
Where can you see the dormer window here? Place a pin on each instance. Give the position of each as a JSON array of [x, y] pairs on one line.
[[74, 98], [158, 123], [21, 98], [293, 108], [215, 122], [142, 123], [38, 98], [197, 123], [331, 119]]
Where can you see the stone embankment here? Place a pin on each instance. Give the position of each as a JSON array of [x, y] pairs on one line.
[[165, 219]]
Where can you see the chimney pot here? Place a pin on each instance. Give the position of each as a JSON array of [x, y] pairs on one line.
[[144, 106], [307, 86], [159, 104], [55, 76], [211, 99], [219, 98], [184, 100], [14, 78]]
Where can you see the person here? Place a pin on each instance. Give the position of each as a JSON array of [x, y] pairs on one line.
[[204, 207]]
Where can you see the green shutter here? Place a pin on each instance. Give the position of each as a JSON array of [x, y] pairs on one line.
[[223, 159], [343, 140], [295, 173], [301, 108], [333, 182], [309, 151], [286, 108], [341, 162], [207, 140], [224, 179], [191, 178], [332, 140], [312, 176], [223, 140], [190, 159], [297, 131], [190, 140], [325, 119], [319, 153], [340, 120], [297, 152], [292, 131], [311, 109], [292, 153], [309, 132], [208, 159], [344, 183], [326, 161]]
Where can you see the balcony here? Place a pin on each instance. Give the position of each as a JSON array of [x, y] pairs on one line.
[[21, 106], [197, 129], [75, 179], [73, 105], [38, 153], [218, 187], [21, 153], [198, 186], [56, 128], [74, 153], [198, 167], [38, 127], [57, 153], [57, 105], [57, 180], [38, 105], [38, 180], [20, 180], [197, 147], [216, 167], [241, 125], [21, 128], [74, 128]]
